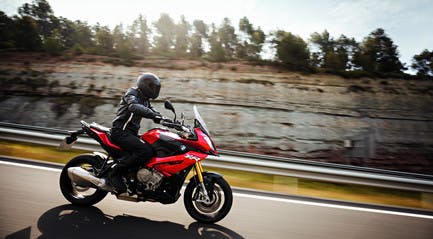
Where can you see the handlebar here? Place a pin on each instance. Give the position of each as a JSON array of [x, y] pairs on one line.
[[174, 125]]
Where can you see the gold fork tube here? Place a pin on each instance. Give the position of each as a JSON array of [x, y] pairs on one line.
[[201, 167], [199, 171]]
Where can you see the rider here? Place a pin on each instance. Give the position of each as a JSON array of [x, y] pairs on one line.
[[134, 105]]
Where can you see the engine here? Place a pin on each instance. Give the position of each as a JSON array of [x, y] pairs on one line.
[[149, 179]]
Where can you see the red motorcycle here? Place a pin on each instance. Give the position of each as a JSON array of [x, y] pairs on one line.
[[207, 197]]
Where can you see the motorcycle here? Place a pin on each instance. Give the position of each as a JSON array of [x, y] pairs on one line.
[[178, 148]]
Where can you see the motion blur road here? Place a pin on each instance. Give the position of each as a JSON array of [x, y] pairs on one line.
[[32, 206]]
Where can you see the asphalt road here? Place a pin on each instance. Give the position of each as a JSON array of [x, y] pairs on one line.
[[32, 206]]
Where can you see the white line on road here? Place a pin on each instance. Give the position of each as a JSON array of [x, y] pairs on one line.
[[285, 200], [31, 166]]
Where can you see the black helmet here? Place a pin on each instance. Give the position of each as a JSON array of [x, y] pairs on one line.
[[149, 85]]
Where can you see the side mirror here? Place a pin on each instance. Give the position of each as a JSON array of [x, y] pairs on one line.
[[169, 106]]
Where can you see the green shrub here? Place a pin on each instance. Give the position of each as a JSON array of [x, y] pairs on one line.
[[52, 46], [77, 49]]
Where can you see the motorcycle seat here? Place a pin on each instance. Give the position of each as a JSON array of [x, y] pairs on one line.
[[99, 127]]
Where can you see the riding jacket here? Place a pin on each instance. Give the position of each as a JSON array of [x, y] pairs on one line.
[[133, 106]]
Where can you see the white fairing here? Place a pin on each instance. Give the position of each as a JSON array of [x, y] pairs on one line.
[[200, 119]]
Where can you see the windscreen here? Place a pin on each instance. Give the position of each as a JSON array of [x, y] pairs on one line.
[[200, 120]]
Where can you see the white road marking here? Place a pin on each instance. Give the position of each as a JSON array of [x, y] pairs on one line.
[[31, 166], [318, 204], [285, 200]]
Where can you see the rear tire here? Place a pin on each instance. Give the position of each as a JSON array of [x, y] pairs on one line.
[[81, 195], [221, 200]]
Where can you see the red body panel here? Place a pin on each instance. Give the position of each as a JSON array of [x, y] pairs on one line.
[[104, 139], [153, 135], [174, 164]]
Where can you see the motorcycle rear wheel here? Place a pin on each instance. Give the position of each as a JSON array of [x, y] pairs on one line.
[[219, 206], [81, 195]]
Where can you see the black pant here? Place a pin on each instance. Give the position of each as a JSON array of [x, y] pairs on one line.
[[139, 151]]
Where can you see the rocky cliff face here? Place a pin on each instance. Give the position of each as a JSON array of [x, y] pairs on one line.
[[385, 123]]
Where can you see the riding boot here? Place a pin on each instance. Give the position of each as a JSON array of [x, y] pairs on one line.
[[115, 179]]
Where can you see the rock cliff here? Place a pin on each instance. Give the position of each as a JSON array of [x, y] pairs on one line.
[[385, 123]]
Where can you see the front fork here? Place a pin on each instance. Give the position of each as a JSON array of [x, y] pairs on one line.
[[203, 195]]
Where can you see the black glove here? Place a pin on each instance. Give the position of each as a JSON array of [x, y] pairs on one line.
[[157, 117]]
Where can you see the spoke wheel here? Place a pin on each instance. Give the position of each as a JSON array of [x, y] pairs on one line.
[[220, 195]]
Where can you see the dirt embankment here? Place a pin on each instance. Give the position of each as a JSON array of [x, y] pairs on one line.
[[386, 123]]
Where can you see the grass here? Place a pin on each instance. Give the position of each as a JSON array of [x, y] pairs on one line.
[[279, 184], [38, 152]]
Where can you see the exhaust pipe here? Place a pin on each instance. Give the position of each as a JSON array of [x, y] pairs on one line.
[[83, 178]]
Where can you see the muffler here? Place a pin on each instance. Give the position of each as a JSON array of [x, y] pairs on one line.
[[82, 178]]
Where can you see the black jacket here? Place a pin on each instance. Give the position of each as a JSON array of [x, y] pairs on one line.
[[133, 107]]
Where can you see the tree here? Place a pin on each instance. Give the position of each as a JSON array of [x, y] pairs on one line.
[[227, 38], [291, 50], [423, 64], [325, 43], [246, 29], [251, 40], [63, 33], [257, 39], [182, 39], [197, 38], [104, 40], [164, 41], [334, 55], [54, 43], [83, 35], [122, 44], [7, 31], [379, 54], [216, 52], [41, 11], [139, 33], [26, 34], [334, 61], [345, 48]]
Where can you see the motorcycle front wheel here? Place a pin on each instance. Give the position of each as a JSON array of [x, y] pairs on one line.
[[221, 199], [76, 194]]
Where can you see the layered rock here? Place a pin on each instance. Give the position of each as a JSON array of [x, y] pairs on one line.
[[386, 123]]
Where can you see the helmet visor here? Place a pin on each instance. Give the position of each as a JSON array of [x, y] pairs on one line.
[[154, 90]]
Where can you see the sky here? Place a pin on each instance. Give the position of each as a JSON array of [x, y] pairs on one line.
[[407, 22]]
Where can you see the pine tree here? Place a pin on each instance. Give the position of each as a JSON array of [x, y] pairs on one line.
[[423, 64], [379, 54]]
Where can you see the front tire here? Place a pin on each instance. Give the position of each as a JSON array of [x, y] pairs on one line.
[[221, 199], [81, 195]]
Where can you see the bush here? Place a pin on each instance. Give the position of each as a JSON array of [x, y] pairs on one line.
[[77, 49], [52, 46]]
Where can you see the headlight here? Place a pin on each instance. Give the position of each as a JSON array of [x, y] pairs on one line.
[[209, 142]]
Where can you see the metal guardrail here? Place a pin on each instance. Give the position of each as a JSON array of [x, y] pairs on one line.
[[250, 162]]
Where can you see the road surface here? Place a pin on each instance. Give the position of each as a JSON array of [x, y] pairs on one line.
[[32, 206]]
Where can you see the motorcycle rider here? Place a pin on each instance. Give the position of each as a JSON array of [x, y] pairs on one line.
[[134, 105]]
